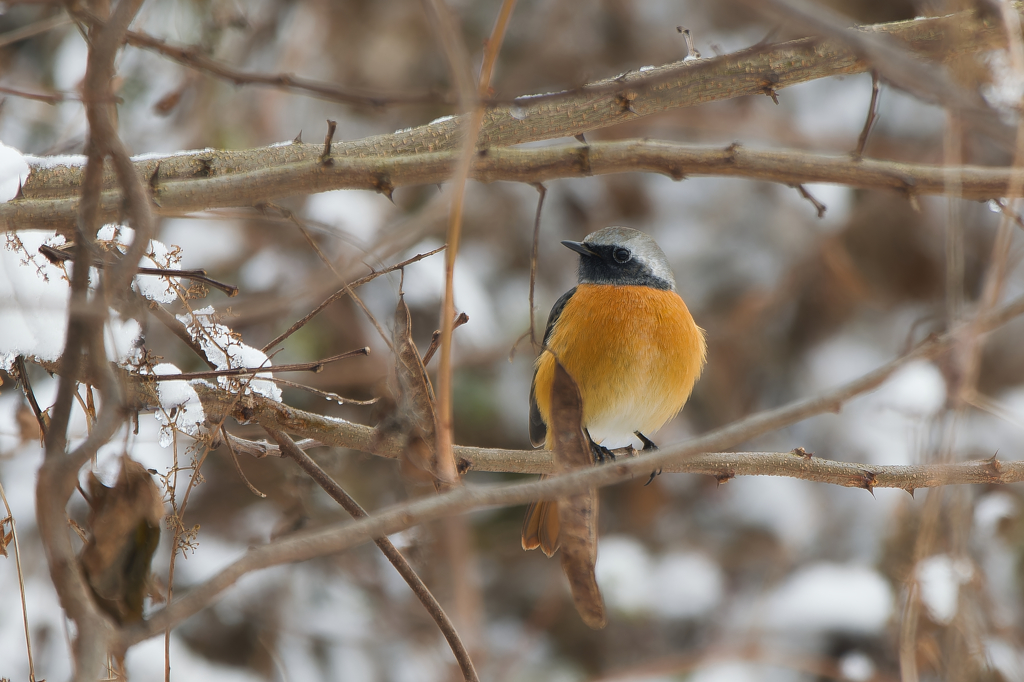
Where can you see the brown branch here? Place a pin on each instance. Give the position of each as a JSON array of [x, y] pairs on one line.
[[50, 98], [314, 367], [290, 450], [339, 433], [677, 161], [197, 275], [862, 139], [680, 84]]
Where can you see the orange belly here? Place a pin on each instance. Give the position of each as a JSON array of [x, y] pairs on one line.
[[635, 353]]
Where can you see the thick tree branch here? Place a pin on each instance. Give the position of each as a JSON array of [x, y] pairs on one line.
[[568, 113], [268, 182]]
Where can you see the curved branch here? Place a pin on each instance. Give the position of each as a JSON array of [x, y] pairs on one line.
[[260, 181]]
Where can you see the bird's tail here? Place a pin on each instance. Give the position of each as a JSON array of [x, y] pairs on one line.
[[541, 527]]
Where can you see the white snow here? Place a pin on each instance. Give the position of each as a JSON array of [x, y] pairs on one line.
[[225, 350], [678, 585], [14, 170], [180, 408], [829, 596], [940, 577]]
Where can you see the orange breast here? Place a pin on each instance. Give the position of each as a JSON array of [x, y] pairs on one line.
[[635, 353]]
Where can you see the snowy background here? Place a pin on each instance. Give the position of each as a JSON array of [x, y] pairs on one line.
[[757, 579]]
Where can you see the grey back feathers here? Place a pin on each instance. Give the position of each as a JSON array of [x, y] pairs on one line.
[[622, 255]]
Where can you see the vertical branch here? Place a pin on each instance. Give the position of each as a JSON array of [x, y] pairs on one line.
[[458, 63], [543, 192], [59, 473], [291, 450]]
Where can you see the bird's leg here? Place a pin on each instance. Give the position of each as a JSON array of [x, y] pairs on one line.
[[600, 453], [648, 445]]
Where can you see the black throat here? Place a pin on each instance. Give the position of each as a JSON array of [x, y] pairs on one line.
[[602, 268]]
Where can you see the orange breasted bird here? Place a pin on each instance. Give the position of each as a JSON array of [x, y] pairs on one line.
[[628, 341]]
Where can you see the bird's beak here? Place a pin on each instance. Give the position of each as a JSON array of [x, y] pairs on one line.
[[578, 247]]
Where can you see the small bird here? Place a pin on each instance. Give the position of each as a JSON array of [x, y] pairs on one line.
[[629, 342]]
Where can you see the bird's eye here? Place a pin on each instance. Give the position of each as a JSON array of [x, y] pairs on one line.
[[621, 255]]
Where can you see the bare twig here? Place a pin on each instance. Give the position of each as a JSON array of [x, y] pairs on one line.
[[291, 450], [435, 338], [344, 292], [197, 275], [542, 193], [862, 140], [50, 98], [314, 367], [34, 29], [819, 207], [238, 467]]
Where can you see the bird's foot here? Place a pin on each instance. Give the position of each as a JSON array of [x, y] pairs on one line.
[[648, 445], [600, 453]]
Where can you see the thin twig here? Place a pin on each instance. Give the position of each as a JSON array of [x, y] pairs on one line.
[[542, 192], [345, 291], [819, 207], [314, 367], [238, 467], [198, 275], [862, 140], [34, 29], [422, 592], [50, 98], [435, 338], [21, 583]]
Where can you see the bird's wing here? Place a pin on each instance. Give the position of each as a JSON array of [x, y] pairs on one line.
[[538, 429]]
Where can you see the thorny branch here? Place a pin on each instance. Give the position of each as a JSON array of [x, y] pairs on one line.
[[307, 545], [529, 119], [260, 183]]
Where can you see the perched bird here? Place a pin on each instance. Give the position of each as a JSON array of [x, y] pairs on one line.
[[627, 339]]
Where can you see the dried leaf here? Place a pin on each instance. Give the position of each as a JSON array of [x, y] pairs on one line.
[[577, 514], [124, 529], [416, 404]]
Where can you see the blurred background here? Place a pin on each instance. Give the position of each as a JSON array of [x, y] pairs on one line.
[[755, 579]]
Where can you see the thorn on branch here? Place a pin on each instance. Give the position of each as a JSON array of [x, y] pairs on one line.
[[579, 137], [910, 490], [298, 138], [724, 478], [154, 178], [769, 87], [325, 157], [626, 99], [462, 465], [868, 481], [818, 206], [382, 183], [800, 452]]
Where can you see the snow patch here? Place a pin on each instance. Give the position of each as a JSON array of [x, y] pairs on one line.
[[180, 409], [940, 578], [833, 597], [14, 171], [225, 350]]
